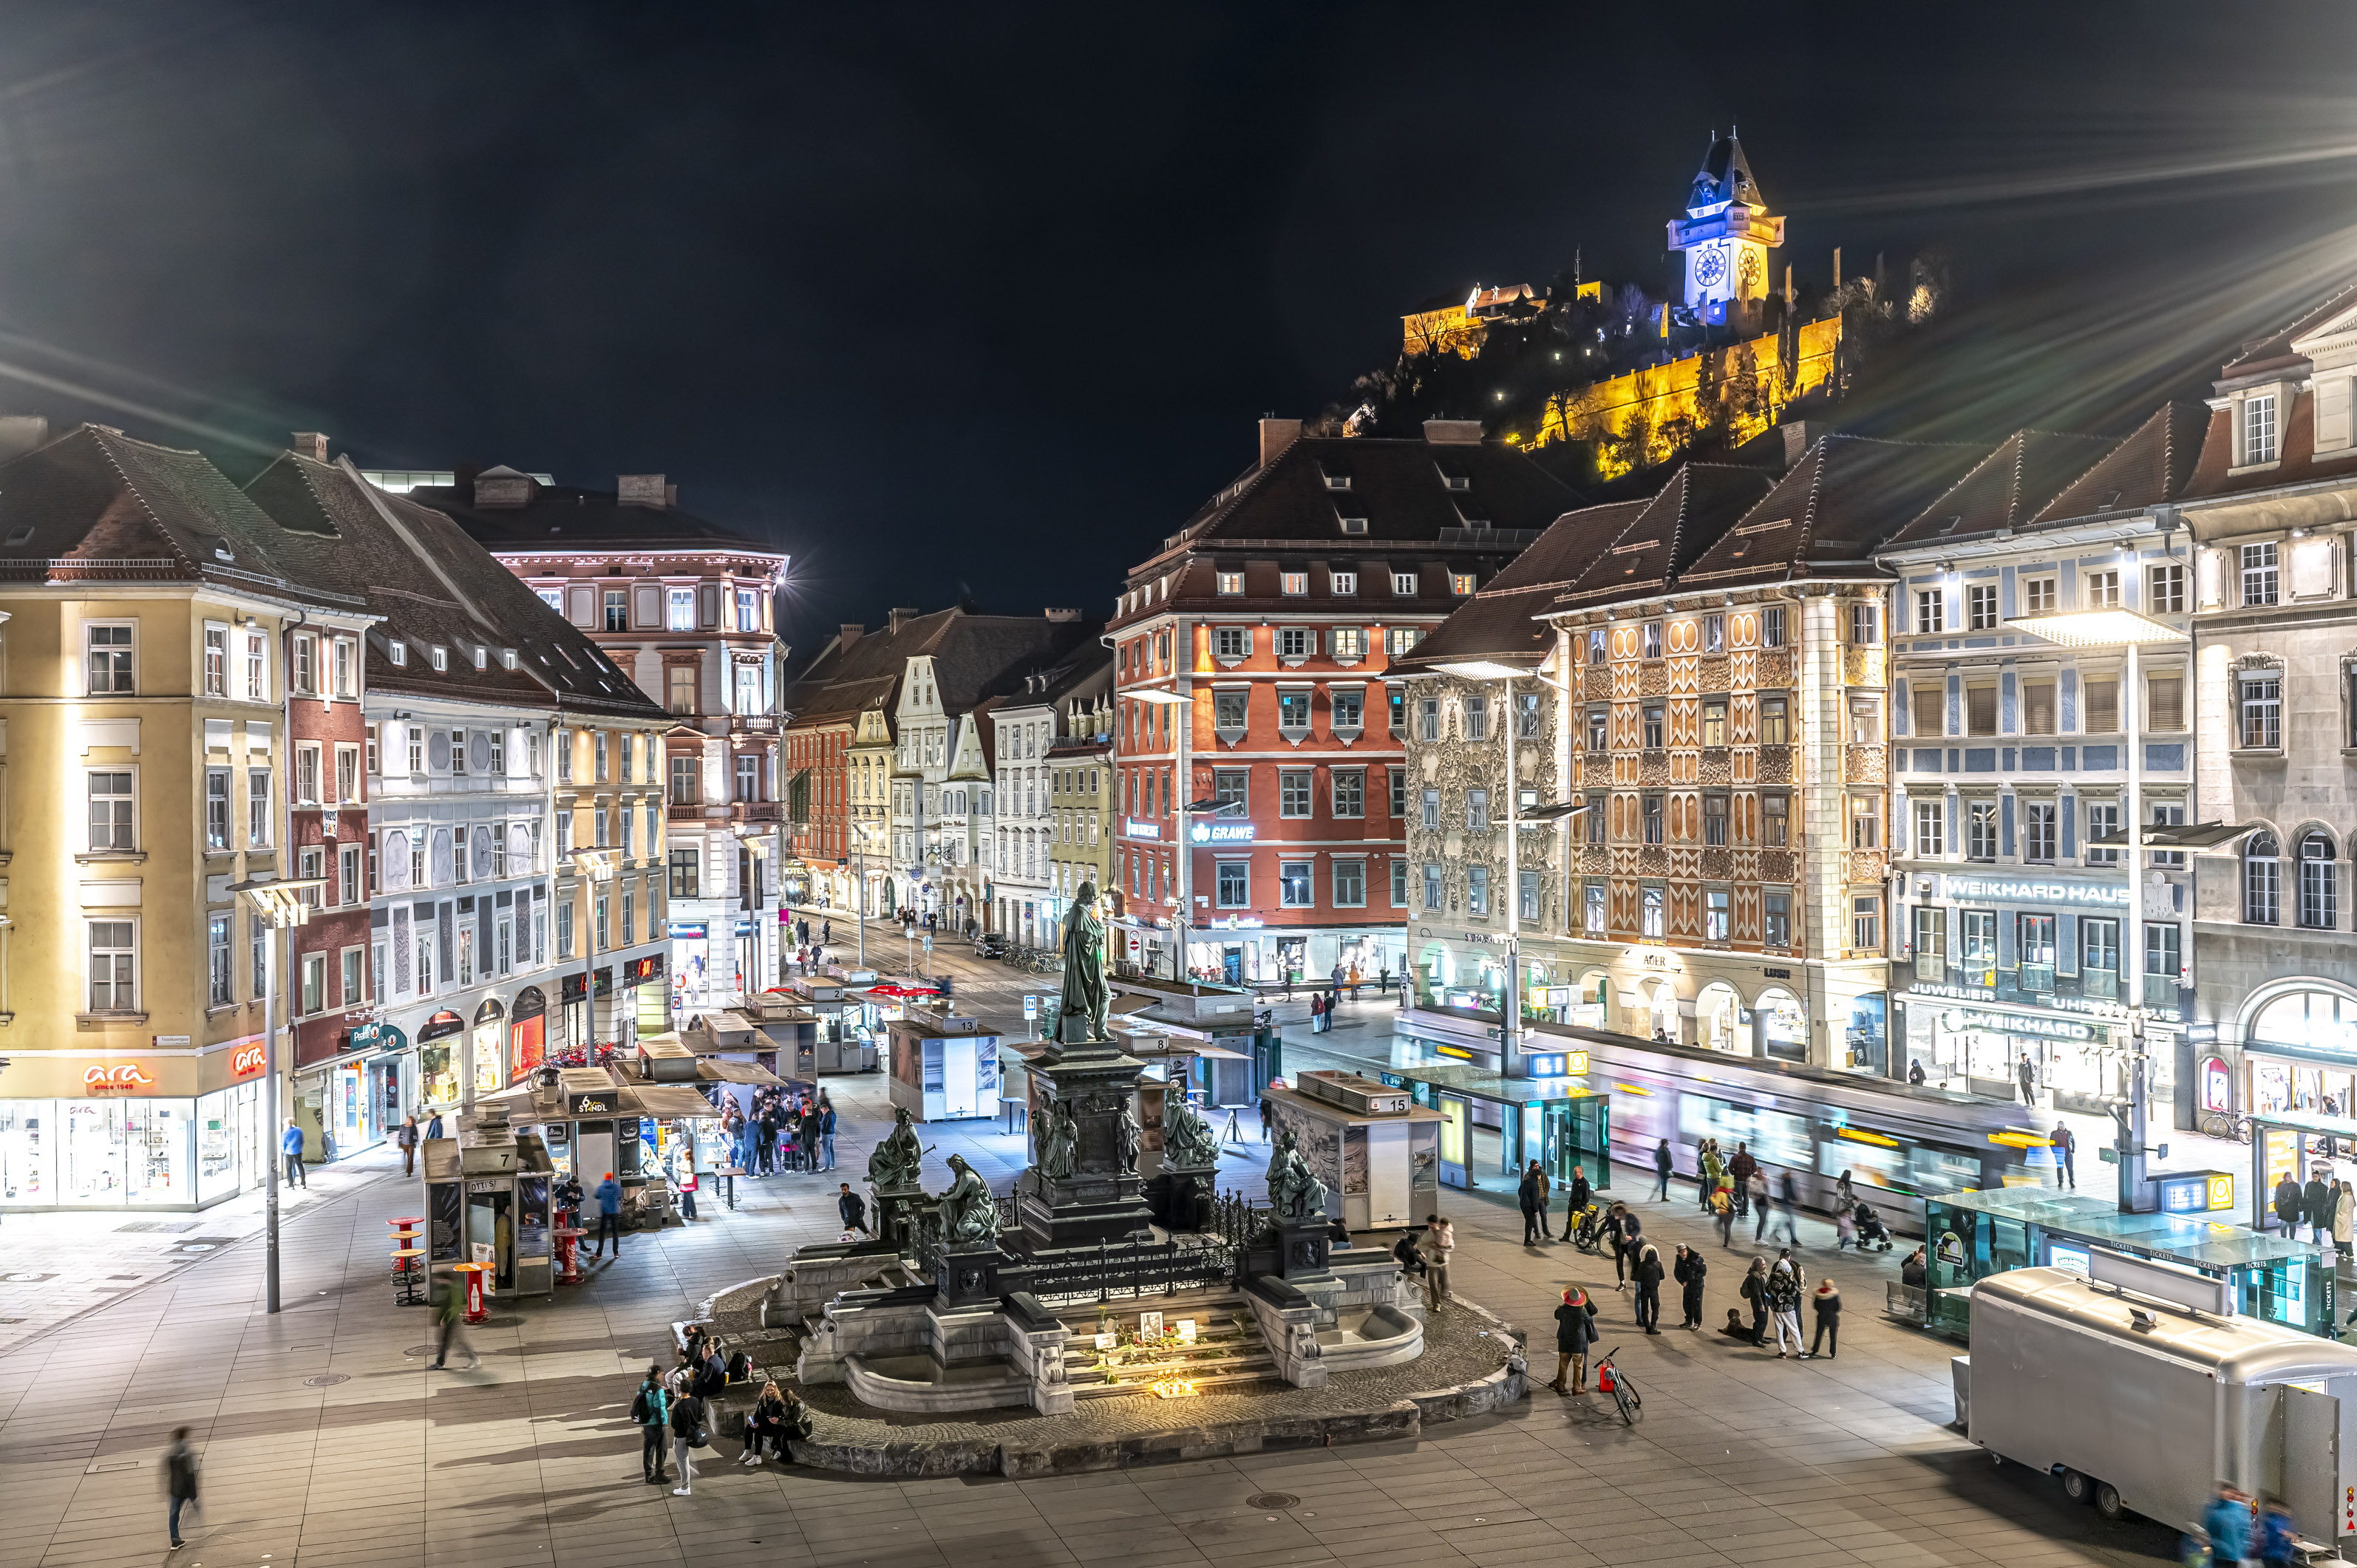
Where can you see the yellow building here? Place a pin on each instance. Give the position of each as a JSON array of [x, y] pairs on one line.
[[143, 714], [609, 905]]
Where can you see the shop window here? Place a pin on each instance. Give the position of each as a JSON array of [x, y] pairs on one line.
[[2320, 889]]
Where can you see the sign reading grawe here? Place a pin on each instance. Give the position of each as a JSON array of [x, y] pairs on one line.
[[246, 1062], [124, 1078]]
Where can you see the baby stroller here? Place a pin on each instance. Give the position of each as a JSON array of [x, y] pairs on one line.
[[1870, 1229]]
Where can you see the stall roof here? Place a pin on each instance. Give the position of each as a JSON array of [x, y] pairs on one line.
[[669, 1099], [2203, 1244], [1327, 1110], [717, 1071]]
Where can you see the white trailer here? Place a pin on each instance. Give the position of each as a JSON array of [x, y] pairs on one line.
[[2141, 1403]]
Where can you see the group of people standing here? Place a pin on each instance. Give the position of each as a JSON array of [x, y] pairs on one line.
[[788, 1128], [2327, 1206]]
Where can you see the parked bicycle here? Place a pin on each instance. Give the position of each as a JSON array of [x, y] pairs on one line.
[[1611, 1379], [1588, 1229], [2226, 1125]]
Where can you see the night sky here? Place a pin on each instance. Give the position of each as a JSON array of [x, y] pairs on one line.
[[986, 301]]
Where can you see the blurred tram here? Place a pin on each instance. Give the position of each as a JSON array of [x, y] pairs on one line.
[[1899, 1144]]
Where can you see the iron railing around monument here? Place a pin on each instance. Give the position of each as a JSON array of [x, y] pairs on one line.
[[1213, 1259]]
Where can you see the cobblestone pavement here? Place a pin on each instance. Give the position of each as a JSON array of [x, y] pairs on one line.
[[328, 1441]]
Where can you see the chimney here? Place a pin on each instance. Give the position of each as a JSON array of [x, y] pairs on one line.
[[851, 633], [1796, 441], [671, 495], [900, 616], [1275, 435], [640, 489], [1452, 432], [22, 432], [1063, 617], [312, 445]]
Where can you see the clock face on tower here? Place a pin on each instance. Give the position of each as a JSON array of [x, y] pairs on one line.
[[1710, 265], [1750, 272]]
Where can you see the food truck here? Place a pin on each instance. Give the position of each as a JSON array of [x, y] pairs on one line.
[[2139, 1387]]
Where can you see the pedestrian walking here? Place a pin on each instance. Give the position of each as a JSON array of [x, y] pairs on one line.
[[179, 1481], [1825, 1302], [434, 1125], [826, 1127], [1754, 1291], [1533, 1200], [407, 1139], [1915, 1072], [1575, 1331], [1620, 1229], [2066, 1143], [1439, 1240], [2027, 1075], [1689, 1270], [1722, 1203], [1791, 1197], [2227, 1522], [2287, 1200], [2344, 1215], [1546, 1192], [1662, 1165], [2316, 1202], [1646, 1267], [290, 1144], [2276, 1536], [1267, 1117], [651, 1409], [688, 1434], [852, 1207], [1713, 1166], [1784, 1304], [609, 1216], [1757, 1195], [449, 1308]]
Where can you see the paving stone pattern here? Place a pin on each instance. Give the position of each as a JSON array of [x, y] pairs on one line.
[[529, 1460]]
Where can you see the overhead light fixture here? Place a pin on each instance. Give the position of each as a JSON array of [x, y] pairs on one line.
[[2096, 629]]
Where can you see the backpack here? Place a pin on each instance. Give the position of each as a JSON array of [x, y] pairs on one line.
[[740, 1367], [650, 1412]]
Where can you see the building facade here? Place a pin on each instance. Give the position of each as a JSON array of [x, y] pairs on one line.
[[2011, 767], [2274, 692], [1081, 811], [688, 608], [1274, 612], [1029, 725]]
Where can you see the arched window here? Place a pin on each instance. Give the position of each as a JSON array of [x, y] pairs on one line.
[[2262, 882], [2319, 890]]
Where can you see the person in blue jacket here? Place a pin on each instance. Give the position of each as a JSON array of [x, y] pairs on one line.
[[609, 1216], [290, 1144], [2227, 1522], [2279, 1534]]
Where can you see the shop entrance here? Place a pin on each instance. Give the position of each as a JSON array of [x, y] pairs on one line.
[[1231, 965]]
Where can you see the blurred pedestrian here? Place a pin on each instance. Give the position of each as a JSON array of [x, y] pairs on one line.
[[407, 1139], [1662, 1166], [1792, 1207], [1755, 1192], [449, 1308], [2066, 1143], [179, 1481], [1439, 1240]]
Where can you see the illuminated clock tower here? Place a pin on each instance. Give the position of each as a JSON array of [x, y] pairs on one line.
[[1726, 234]]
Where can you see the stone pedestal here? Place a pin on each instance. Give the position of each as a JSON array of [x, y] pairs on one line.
[[1102, 1199], [968, 1274], [897, 1209], [1180, 1197], [1304, 1249]]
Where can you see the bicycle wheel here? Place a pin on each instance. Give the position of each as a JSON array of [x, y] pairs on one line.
[[1626, 1400]]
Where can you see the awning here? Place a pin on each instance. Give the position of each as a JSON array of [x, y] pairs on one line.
[[667, 1100], [718, 1071], [2189, 835]]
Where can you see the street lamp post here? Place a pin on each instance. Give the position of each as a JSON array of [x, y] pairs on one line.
[[281, 905], [2114, 628]]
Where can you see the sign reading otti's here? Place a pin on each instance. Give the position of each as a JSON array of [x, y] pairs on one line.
[[246, 1062], [120, 1079]]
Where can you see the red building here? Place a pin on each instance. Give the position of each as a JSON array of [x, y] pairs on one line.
[[1275, 611]]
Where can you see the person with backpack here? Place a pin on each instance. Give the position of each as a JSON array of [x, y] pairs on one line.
[[652, 1411], [1754, 1291], [1784, 1303], [179, 1481], [688, 1434]]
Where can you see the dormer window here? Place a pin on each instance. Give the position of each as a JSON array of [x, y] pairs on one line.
[[1338, 481], [1231, 583], [1345, 584], [399, 651], [1355, 525], [508, 659], [1457, 482], [21, 534], [2259, 429], [441, 658], [1294, 583], [482, 657]]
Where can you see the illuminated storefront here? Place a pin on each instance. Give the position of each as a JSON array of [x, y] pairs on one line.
[[115, 1144], [2299, 1049]]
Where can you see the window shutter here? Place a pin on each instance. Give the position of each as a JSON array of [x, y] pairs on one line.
[[584, 603]]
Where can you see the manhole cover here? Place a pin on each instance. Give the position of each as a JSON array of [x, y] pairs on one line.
[[24, 1278], [1272, 1501], [11, 1320], [123, 1276], [326, 1380], [193, 1248], [417, 1350]]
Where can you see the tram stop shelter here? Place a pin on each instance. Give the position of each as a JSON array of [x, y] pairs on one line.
[[1555, 1119], [1972, 1235], [2298, 1143]]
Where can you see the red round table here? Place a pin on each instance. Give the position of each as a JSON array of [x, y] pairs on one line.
[[475, 1311]]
